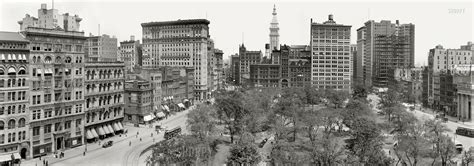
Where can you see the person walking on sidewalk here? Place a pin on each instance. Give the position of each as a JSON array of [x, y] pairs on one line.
[[130, 143]]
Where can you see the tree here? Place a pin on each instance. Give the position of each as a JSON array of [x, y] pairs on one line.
[[258, 103], [468, 156], [412, 144], [230, 111], [244, 154], [336, 97], [443, 146], [366, 143], [202, 122], [355, 109], [360, 91], [185, 150]]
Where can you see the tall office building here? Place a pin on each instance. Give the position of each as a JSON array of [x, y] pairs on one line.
[[130, 52], [386, 46], [274, 35], [101, 48], [14, 91], [182, 43], [246, 59], [104, 96], [56, 73], [359, 65], [51, 19], [331, 56]]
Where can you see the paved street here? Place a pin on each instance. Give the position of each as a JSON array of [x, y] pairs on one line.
[[120, 153]]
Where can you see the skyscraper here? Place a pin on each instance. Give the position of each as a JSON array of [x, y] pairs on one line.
[[101, 48], [331, 55], [274, 35], [51, 19], [181, 43], [386, 46]]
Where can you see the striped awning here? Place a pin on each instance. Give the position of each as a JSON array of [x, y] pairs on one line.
[[167, 108], [116, 127], [181, 105], [101, 131], [110, 128], [94, 133], [120, 125], [5, 157], [106, 129], [89, 134]]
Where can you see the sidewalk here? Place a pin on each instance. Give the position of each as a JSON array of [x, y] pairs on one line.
[[78, 151], [450, 118]]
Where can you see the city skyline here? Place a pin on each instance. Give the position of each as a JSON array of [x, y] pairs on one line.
[[294, 19]]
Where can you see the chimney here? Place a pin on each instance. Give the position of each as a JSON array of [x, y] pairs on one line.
[[330, 17], [43, 6], [398, 22], [132, 38]]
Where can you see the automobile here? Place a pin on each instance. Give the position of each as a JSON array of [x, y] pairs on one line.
[[264, 141], [107, 144], [458, 146]]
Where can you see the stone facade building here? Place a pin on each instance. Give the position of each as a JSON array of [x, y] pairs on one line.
[[14, 93], [101, 48], [331, 57], [56, 89], [104, 97], [138, 100], [130, 52]]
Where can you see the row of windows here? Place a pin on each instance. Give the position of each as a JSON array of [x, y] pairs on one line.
[[104, 100], [12, 109], [11, 137], [56, 47], [57, 127], [12, 123], [13, 71], [58, 111], [58, 96], [21, 82], [12, 96], [102, 115], [103, 74]]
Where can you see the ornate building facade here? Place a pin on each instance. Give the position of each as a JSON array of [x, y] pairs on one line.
[[104, 96], [14, 91]]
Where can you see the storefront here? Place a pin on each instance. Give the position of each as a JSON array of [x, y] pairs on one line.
[[42, 150], [74, 142]]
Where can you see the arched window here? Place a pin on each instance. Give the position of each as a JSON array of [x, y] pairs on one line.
[[68, 60], [11, 71], [48, 59], [2, 125], [58, 59], [22, 71], [34, 59], [11, 124], [21, 122], [23, 82]]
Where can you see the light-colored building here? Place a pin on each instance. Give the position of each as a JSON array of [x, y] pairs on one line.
[[56, 89], [181, 43], [14, 91], [331, 56], [464, 79], [104, 96], [101, 48], [441, 60], [51, 19], [274, 35], [385, 46], [219, 70], [130, 52], [247, 58]]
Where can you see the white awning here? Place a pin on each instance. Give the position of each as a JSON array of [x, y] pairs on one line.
[[5, 157], [16, 156], [48, 71], [147, 118], [185, 100], [101, 131], [110, 128], [120, 125], [116, 127], [106, 129], [181, 105], [2, 56], [89, 134], [39, 71], [24, 57], [160, 114], [10, 57], [156, 108], [94, 133], [167, 108]]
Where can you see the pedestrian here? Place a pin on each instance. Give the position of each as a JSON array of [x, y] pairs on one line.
[[130, 143], [84, 153], [44, 162], [137, 133], [140, 139], [47, 163], [151, 134]]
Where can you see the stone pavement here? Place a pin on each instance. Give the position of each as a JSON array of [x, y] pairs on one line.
[[78, 151]]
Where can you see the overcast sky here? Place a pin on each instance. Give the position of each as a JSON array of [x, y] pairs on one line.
[[230, 20]]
